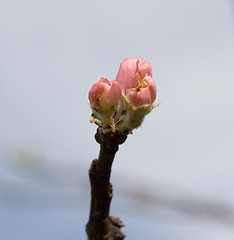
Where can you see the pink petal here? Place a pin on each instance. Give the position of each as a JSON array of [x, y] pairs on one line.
[[126, 71], [127, 76], [95, 92], [105, 80], [114, 94], [144, 95], [151, 87], [138, 98]]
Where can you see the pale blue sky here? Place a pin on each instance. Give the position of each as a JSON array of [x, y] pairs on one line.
[[51, 52]]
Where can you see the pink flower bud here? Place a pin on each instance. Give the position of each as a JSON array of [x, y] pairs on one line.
[[144, 95], [135, 79], [104, 95]]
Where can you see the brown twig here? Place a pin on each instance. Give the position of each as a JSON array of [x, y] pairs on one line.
[[101, 226]]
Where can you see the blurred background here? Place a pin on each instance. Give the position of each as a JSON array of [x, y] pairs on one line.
[[173, 178]]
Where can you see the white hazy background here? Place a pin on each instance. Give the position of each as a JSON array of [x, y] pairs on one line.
[[173, 178]]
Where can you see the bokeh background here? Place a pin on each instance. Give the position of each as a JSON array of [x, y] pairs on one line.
[[174, 177]]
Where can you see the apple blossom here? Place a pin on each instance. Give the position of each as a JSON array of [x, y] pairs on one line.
[[122, 104], [104, 95], [135, 79]]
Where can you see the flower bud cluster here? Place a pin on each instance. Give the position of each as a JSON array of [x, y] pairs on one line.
[[122, 104]]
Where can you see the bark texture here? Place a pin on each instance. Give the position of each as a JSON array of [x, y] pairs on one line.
[[101, 226]]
